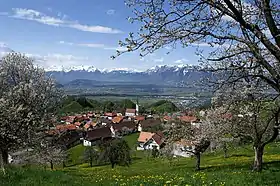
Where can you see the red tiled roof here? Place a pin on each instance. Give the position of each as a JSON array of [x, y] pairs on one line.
[[52, 132], [160, 134], [188, 119], [128, 124], [66, 127], [110, 114], [150, 123], [167, 118], [139, 118], [158, 139], [99, 133], [145, 136], [77, 123], [117, 119]]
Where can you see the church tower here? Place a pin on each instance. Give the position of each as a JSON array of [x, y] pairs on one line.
[[137, 107]]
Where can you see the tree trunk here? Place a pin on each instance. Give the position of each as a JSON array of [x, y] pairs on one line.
[[51, 162], [3, 160], [2, 164], [225, 150], [5, 156], [91, 162], [197, 156], [258, 158], [63, 164]]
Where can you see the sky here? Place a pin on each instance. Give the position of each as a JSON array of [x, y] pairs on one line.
[[64, 34]]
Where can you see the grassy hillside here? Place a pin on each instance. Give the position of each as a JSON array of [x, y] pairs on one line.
[[217, 170], [163, 106], [72, 107]]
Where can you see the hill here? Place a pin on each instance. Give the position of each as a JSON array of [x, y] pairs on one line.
[[217, 170], [163, 106], [72, 107]]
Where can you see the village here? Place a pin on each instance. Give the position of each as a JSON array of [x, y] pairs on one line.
[[91, 128]]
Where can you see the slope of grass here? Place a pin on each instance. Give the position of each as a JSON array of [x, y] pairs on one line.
[[76, 155], [216, 170], [72, 107]]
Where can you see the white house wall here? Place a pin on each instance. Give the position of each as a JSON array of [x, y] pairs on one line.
[[86, 143]]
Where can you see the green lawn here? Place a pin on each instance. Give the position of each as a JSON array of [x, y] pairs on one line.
[[216, 170], [76, 155]]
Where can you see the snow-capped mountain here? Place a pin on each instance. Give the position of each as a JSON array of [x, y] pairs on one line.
[[165, 74]]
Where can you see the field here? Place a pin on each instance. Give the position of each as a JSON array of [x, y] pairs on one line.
[[216, 170]]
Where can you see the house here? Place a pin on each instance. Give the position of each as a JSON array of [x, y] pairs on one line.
[[130, 112], [137, 119], [110, 115], [98, 134], [89, 125], [69, 127], [124, 128], [104, 121], [149, 141], [69, 119], [90, 114], [183, 148], [149, 123], [69, 139], [167, 118], [117, 119], [81, 118]]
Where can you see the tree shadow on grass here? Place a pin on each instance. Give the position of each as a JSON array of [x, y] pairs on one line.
[[240, 155], [273, 166], [244, 166]]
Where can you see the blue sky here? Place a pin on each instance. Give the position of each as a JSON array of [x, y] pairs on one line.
[[75, 33]]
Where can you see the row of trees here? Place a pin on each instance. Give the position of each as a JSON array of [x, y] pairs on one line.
[[80, 104]]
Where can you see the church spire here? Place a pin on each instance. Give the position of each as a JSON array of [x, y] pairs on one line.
[[137, 106]]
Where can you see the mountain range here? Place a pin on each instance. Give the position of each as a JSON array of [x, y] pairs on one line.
[[86, 76], [161, 75]]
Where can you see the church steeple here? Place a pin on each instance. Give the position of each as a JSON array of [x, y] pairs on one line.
[[137, 106]]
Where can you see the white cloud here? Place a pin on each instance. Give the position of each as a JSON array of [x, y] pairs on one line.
[[91, 45], [60, 20], [97, 29], [111, 12], [65, 43], [116, 48], [58, 61], [181, 61]]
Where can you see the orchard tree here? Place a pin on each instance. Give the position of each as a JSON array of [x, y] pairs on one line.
[[91, 155], [254, 115], [198, 138], [116, 151], [28, 100], [243, 36], [216, 126], [50, 153]]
